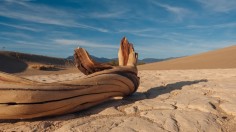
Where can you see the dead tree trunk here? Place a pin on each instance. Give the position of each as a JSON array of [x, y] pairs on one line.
[[22, 98]]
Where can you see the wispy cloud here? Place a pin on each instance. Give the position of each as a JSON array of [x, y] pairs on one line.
[[83, 43], [17, 1], [43, 14], [179, 12], [157, 28], [33, 45], [218, 5], [110, 15], [136, 30], [223, 25], [16, 35], [21, 44], [20, 27], [145, 32]]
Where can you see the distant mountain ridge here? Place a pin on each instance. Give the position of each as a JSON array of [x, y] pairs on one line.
[[151, 60], [97, 59], [106, 60]]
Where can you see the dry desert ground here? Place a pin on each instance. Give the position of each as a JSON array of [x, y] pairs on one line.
[[189, 94], [167, 100]]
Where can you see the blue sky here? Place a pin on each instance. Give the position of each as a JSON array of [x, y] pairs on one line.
[[157, 28]]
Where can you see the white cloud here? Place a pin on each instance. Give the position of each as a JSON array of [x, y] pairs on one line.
[[43, 14], [83, 43], [20, 44], [15, 35], [34, 45], [223, 25], [145, 32], [136, 30], [17, 1], [110, 14], [20, 27], [218, 5], [179, 12], [173, 9]]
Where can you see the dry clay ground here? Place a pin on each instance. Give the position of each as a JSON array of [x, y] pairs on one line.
[[168, 100]]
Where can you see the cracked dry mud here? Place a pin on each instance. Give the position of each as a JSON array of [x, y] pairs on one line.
[[168, 100]]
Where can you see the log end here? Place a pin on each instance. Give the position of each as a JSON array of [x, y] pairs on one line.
[[126, 54], [86, 64]]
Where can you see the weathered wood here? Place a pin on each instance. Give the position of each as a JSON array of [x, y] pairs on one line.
[[86, 64], [22, 98], [126, 54]]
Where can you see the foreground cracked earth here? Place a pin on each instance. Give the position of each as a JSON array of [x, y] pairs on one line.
[[171, 100]]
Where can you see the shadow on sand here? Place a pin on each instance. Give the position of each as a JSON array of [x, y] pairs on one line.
[[149, 94], [154, 92], [12, 65]]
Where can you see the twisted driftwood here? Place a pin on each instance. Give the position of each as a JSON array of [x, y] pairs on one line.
[[22, 98]]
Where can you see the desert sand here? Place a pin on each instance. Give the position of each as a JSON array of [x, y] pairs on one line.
[[220, 58], [176, 100], [21, 63]]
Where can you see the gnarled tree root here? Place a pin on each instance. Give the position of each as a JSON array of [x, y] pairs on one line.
[[22, 98]]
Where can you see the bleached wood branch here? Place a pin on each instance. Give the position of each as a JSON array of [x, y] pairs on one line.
[[22, 98]]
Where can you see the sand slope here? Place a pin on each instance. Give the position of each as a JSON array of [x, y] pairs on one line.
[[221, 58], [15, 62]]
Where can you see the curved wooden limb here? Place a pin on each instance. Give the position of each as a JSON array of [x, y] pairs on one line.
[[22, 98], [126, 54], [126, 57], [86, 64]]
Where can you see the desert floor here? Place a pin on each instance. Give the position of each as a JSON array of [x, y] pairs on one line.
[[167, 100]]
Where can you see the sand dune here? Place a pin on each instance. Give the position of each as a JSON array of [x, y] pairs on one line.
[[20, 63], [221, 58], [11, 64]]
